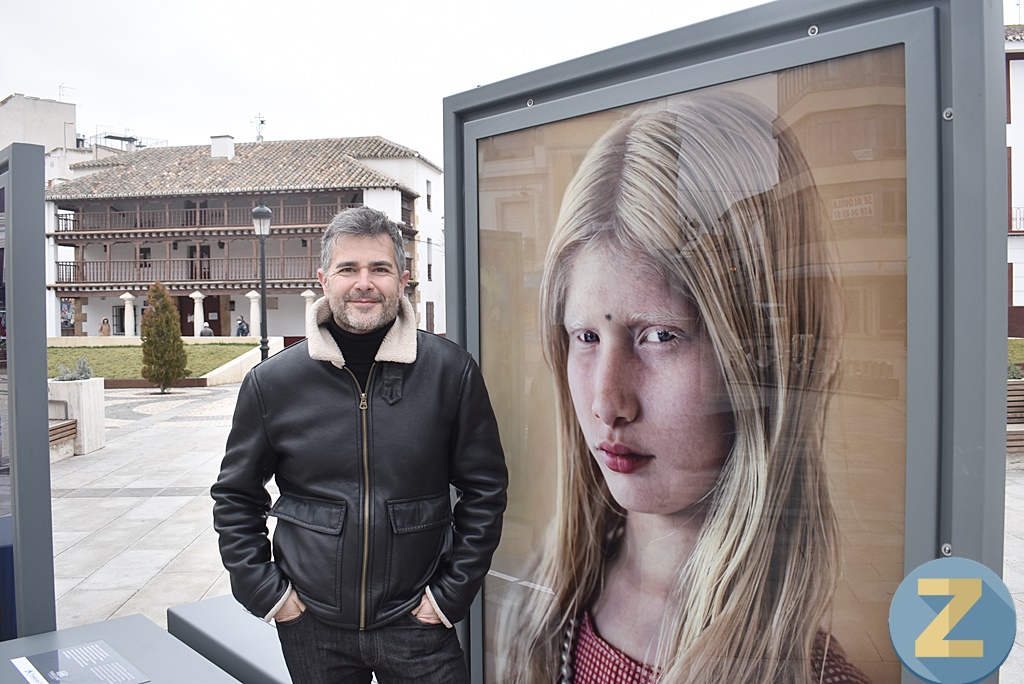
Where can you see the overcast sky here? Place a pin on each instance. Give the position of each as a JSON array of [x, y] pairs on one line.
[[185, 70]]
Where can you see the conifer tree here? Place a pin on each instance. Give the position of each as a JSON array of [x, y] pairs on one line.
[[164, 358]]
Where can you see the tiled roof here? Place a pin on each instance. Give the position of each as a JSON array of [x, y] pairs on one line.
[[270, 166], [376, 147], [1014, 32]]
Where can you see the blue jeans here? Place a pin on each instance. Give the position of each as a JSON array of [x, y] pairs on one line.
[[403, 652]]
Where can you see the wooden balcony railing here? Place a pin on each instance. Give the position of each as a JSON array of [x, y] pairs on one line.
[[234, 269], [221, 217]]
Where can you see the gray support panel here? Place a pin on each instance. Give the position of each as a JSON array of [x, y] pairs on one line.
[[26, 375], [454, 249], [974, 285]]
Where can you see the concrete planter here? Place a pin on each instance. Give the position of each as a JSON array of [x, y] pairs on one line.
[[84, 400]]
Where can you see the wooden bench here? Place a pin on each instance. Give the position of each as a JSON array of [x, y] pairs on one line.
[[63, 430], [1015, 415]]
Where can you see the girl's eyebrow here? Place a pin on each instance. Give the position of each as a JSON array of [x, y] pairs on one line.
[[657, 316]]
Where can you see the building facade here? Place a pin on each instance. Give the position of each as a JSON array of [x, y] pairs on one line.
[[1015, 177], [182, 216]]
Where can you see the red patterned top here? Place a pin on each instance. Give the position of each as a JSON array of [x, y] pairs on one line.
[[595, 661]]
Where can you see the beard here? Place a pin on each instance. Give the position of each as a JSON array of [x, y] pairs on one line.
[[352, 320]]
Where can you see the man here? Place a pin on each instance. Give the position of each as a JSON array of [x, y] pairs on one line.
[[363, 426], [206, 331], [242, 329]]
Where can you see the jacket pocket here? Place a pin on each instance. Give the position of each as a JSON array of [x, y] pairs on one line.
[[421, 532], [307, 546]]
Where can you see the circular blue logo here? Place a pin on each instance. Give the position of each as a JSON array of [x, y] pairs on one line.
[[952, 621]]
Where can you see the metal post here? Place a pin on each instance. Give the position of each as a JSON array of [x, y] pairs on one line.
[[264, 347], [22, 174]]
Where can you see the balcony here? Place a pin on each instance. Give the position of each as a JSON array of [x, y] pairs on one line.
[[222, 271], [218, 217]]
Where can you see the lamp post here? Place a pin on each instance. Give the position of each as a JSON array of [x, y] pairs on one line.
[[261, 216]]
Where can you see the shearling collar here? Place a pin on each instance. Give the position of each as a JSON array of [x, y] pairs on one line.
[[399, 345]]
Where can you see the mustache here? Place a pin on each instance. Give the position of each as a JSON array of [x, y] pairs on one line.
[[371, 296]]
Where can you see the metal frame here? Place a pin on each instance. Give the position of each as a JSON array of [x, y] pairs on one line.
[[956, 186], [22, 175]]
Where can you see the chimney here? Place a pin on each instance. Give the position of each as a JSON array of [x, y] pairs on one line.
[[222, 146]]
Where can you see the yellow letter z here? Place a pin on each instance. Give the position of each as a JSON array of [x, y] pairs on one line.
[[933, 643]]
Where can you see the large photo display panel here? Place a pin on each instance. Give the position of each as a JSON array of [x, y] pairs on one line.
[[693, 324]]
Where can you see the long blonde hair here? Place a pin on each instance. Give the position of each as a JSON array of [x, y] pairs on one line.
[[715, 194]]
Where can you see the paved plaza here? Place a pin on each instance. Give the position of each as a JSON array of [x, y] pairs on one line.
[[132, 523]]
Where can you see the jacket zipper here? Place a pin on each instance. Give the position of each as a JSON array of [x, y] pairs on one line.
[[363, 406]]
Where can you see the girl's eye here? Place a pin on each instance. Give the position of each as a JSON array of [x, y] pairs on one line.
[[588, 336], [658, 336]]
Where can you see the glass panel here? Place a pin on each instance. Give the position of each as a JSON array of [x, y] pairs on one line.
[[742, 415]]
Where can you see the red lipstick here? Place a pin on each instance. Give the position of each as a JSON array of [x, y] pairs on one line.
[[622, 459]]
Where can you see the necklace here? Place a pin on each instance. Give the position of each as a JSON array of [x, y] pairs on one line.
[[566, 672]]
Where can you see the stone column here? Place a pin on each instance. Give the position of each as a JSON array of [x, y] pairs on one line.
[[129, 314], [310, 297], [197, 312], [254, 312]]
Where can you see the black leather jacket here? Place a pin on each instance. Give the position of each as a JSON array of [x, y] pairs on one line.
[[364, 519]]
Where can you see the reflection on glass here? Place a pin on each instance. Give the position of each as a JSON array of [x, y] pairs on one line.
[[848, 118]]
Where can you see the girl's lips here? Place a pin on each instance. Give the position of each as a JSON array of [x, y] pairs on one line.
[[622, 460]]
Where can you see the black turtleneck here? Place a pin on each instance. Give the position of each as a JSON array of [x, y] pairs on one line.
[[358, 350]]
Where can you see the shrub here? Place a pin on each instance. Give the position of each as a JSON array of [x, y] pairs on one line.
[[1013, 372], [82, 371], [164, 358]]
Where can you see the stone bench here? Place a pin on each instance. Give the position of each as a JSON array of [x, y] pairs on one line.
[[231, 638]]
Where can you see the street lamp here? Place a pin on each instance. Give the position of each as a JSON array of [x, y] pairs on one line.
[[261, 216]]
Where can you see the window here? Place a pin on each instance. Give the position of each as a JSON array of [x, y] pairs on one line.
[[430, 259], [117, 321], [428, 196], [145, 254], [430, 317]]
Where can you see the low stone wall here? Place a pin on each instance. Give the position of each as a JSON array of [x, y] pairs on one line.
[[235, 370]]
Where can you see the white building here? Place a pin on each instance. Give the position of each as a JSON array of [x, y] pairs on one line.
[[53, 125], [1015, 172], [182, 216]]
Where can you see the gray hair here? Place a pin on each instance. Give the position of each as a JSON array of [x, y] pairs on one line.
[[361, 222]]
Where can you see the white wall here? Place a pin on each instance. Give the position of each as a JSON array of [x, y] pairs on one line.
[[1015, 130], [1015, 141], [1015, 256], [41, 122], [288, 320], [415, 173], [385, 199]]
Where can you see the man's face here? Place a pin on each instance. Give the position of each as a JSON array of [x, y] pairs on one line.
[[363, 283]]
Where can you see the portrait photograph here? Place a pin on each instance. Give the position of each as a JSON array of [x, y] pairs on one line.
[[693, 322]]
